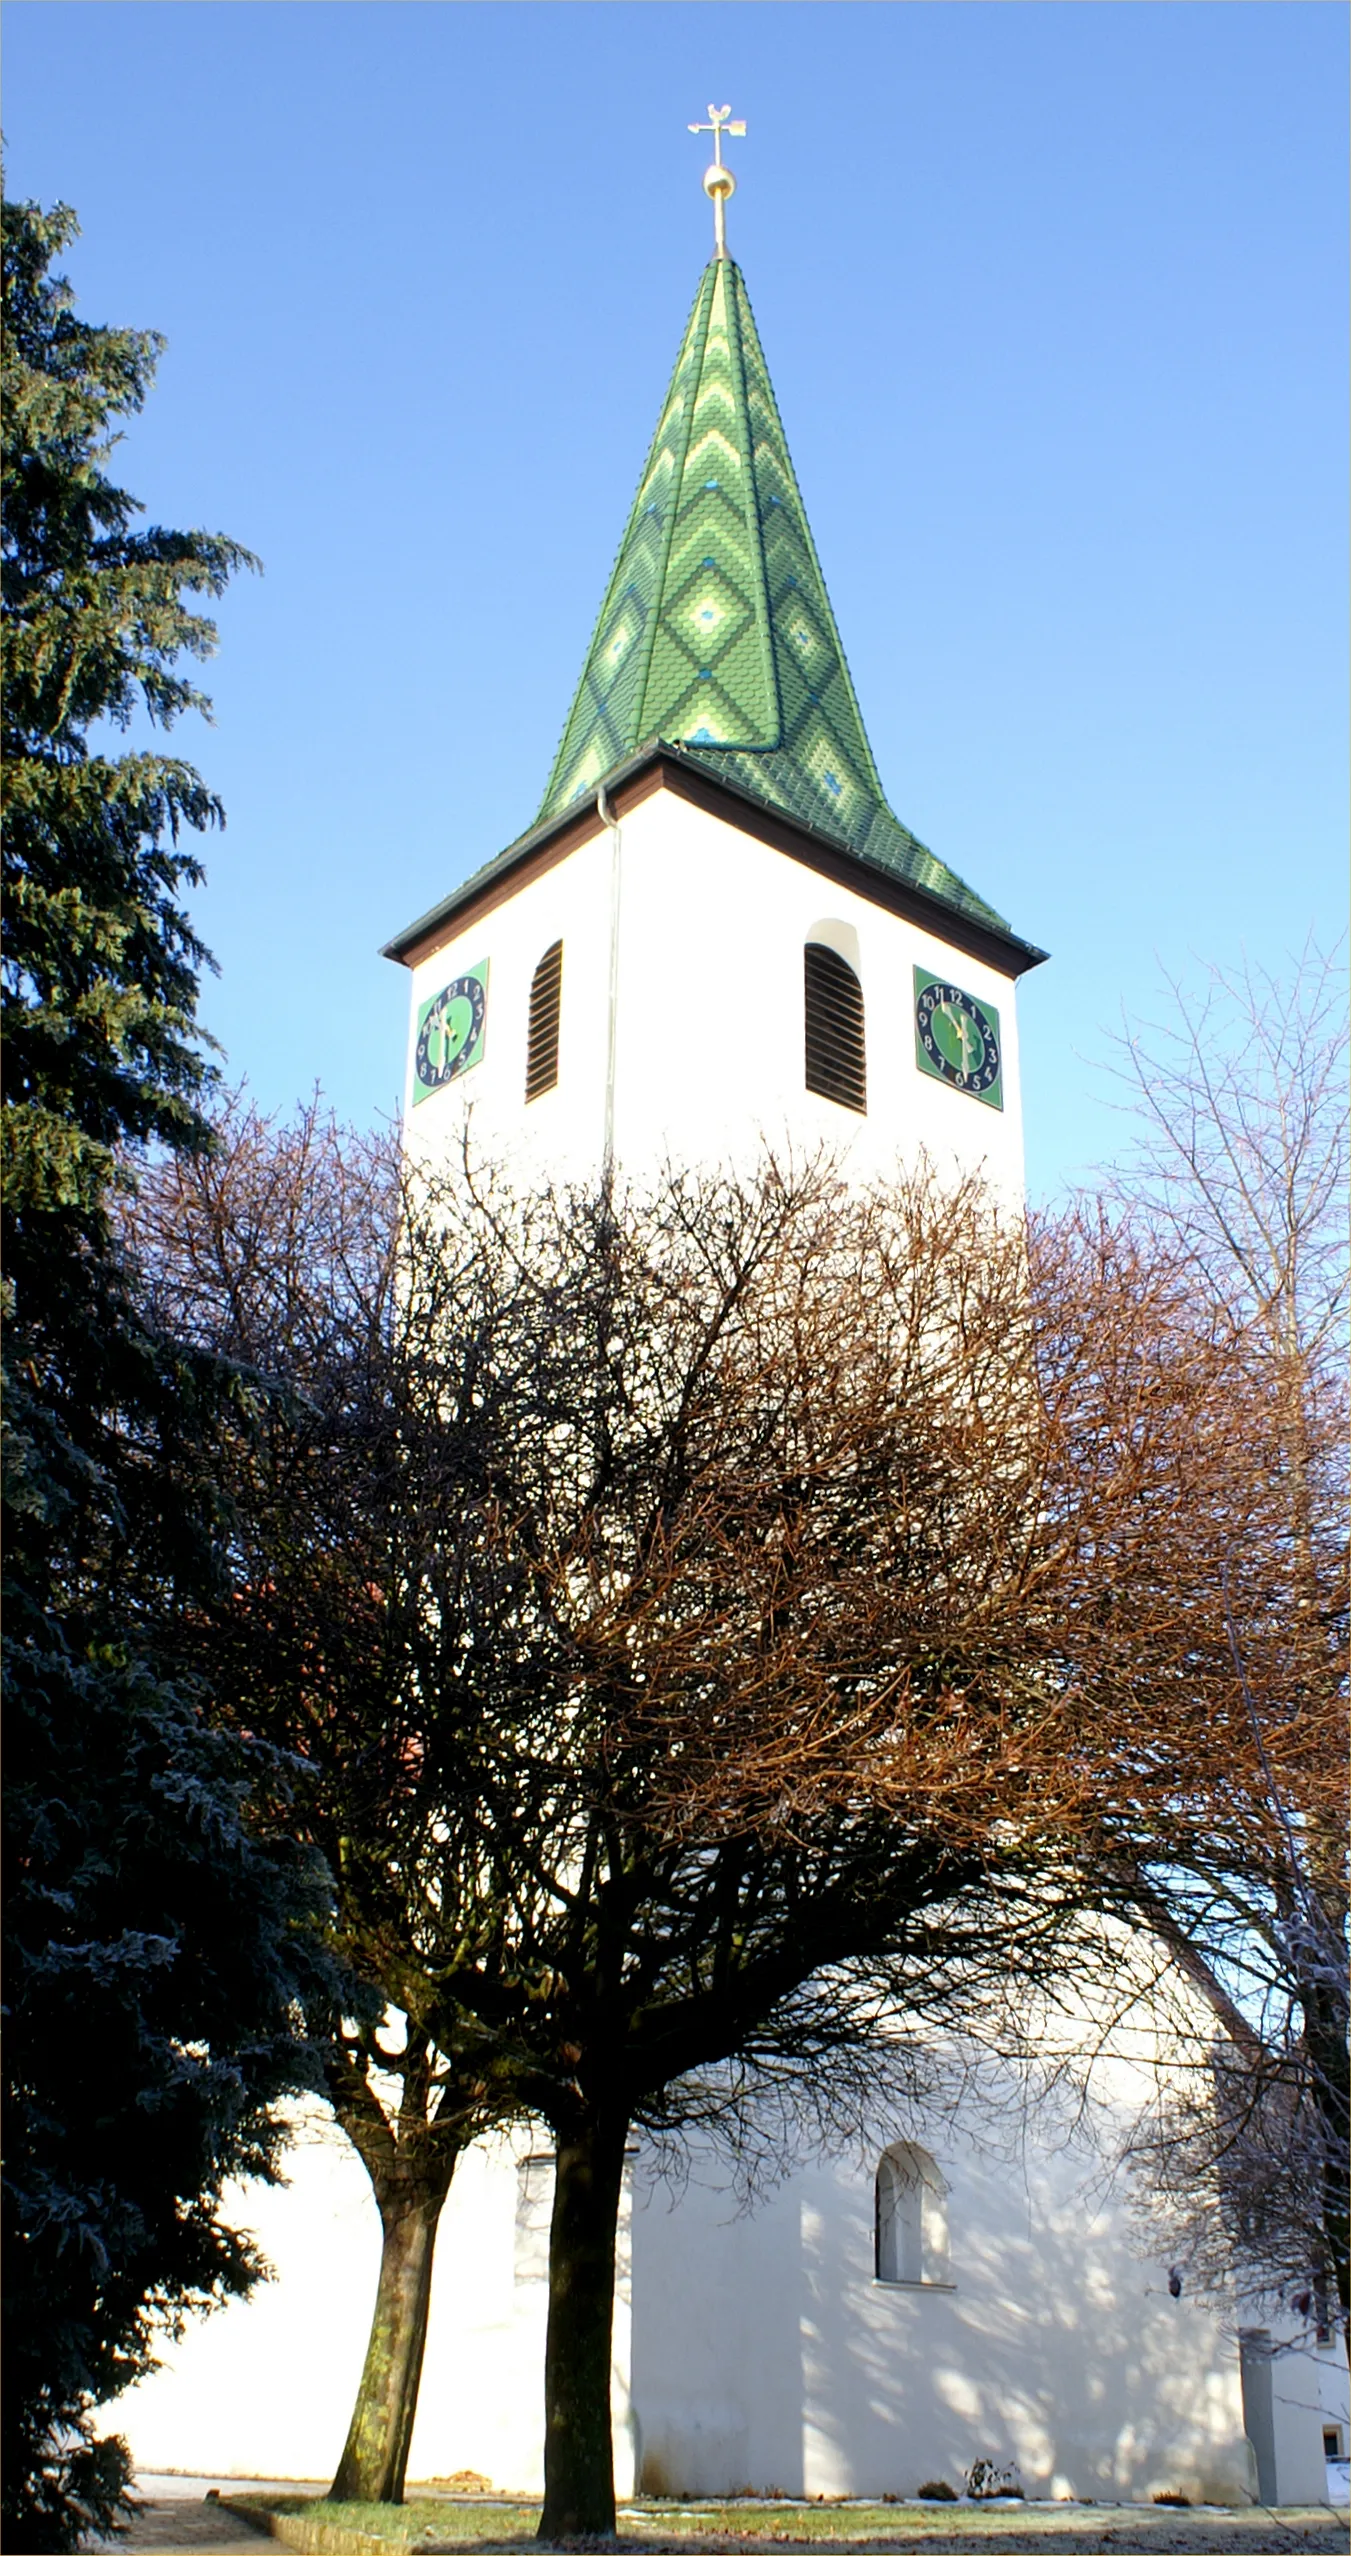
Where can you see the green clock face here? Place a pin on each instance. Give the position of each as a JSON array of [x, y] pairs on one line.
[[450, 1032], [957, 1039]]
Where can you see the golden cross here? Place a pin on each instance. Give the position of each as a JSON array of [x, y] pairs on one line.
[[719, 182]]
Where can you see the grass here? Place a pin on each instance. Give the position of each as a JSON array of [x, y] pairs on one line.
[[444, 2522], [462, 2523], [403, 2524], [840, 2523]]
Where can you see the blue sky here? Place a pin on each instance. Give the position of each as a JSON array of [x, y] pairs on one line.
[[1053, 298]]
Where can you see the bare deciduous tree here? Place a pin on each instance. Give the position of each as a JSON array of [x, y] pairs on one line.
[[644, 1580], [278, 1251], [736, 1631], [1239, 1157]]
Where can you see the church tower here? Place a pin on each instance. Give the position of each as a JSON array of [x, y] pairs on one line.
[[715, 935]]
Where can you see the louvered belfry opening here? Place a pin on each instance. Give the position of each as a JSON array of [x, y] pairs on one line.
[[541, 1050], [834, 1008]]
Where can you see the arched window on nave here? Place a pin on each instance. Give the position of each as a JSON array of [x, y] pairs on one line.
[[911, 2224]]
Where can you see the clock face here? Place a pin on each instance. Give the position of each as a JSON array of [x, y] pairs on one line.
[[450, 1032], [957, 1039]]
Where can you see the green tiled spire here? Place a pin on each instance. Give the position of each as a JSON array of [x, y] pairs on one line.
[[716, 631]]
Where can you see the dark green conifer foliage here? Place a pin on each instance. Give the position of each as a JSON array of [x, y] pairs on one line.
[[157, 1954]]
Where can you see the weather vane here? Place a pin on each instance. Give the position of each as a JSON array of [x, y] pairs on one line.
[[718, 179]]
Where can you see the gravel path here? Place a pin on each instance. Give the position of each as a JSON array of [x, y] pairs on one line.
[[175, 2519], [180, 2528]]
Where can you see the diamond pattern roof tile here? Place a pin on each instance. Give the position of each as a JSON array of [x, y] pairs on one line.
[[716, 631]]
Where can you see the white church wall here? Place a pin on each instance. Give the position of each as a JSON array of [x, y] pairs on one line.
[[1297, 2407], [757, 2348], [1334, 2418], [563, 1129], [1119, 2031], [482, 2400], [709, 1016], [265, 2386], [1295, 2392], [711, 1010], [778, 2359]]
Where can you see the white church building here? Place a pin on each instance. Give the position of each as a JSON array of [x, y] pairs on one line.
[[717, 936]]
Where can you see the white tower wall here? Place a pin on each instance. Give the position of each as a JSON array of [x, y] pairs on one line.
[[708, 1067]]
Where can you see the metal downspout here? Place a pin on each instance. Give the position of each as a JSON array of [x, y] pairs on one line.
[[608, 818]]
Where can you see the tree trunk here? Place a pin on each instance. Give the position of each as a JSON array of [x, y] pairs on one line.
[[1325, 2038], [579, 2479], [374, 2461]]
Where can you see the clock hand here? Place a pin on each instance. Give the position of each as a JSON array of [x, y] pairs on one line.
[[957, 1025], [965, 1028]]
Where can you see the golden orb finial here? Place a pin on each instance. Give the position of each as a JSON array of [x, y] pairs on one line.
[[718, 181]]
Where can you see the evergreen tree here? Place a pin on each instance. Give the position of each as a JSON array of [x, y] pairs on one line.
[[157, 1952]]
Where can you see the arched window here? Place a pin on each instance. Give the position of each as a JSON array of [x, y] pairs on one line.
[[534, 2209], [541, 1047], [834, 1020], [911, 2217]]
